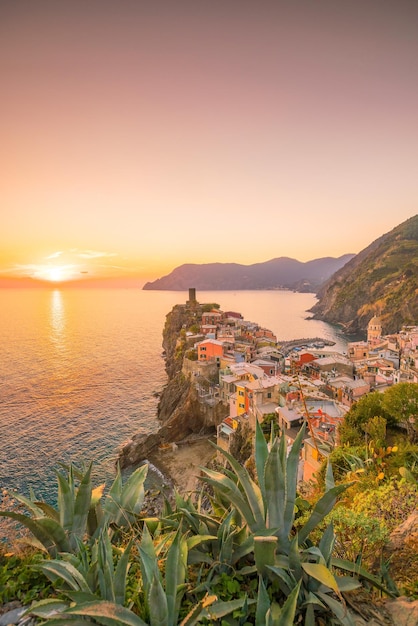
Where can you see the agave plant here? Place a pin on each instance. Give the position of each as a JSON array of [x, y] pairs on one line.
[[268, 506], [286, 560], [80, 513]]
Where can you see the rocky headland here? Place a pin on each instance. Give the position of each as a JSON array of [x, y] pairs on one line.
[[184, 418]]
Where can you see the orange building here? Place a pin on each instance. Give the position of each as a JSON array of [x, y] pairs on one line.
[[209, 349]]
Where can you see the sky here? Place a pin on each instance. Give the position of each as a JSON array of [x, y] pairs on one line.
[[137, 136]]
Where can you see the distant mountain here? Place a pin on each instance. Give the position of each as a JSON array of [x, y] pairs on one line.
[[281, 273], [382, 280]]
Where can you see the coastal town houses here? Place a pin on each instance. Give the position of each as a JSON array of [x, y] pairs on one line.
[[243, 368]]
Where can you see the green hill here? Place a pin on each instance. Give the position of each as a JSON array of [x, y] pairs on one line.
[[382, 279]]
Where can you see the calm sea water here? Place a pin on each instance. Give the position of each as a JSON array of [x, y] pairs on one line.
[[79, 370]]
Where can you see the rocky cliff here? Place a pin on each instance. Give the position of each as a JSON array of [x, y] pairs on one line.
[[382, 280], [180, 412]]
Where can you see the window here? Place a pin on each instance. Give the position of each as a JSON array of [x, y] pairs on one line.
[[240, 393], [241, 406]]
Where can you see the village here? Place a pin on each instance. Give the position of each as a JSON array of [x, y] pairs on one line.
[[241, 365]]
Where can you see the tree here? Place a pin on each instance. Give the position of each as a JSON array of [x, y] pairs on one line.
[[401, 403], [368, 407]]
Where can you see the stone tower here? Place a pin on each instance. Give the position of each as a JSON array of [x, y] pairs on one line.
[[192, 297]]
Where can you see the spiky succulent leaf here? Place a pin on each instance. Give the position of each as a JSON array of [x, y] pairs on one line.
[[261, 454], [121, 573], [157, 603], [67, 572], [275, 488], [321, 509], [340, 610], [263, 603], [107, 613], [292, 465], [65, 501], [47, 531], [231, 492], [82, 506], [321, 573], [288, 612]]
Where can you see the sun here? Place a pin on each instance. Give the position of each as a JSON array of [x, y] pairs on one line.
[[55, 273]]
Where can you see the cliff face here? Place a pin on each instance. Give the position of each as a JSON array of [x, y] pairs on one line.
[[382, 280], [179, 410]]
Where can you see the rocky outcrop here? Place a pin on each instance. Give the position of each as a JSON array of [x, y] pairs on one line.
[[180, 411]]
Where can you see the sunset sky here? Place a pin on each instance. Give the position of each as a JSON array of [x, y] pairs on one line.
[[136, 136]]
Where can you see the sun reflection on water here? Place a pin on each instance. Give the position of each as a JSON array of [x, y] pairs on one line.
[[57, 312]]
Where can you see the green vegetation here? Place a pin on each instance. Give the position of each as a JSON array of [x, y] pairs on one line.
[[248, 551], [398, 406]]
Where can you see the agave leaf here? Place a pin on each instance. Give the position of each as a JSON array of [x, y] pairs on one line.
[[82, 505], [72, 620], [329, 477], [157, 602], [230, 490], [133, 492], [32, 506], [309, 616], [273, 614], [194, 541], [107, 613], [175, 573], [65, 501], [275, 487], [263, 603], [340, 610], [251, 489], [48, 511], [47, 608], [121, 573], [285, 578], [288, 612], [294, 558], [313, 551], [67, 572], [347, 583], [321, 573], [356, 569], [220, 609], [46, 530], [321, 509], [79, 597], [261, 454], [326, 543], [148, 559], [312, 598], [292, 465], [191, 518], [111, 504]]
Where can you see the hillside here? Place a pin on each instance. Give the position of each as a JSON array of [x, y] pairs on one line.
[[280, 273], [382, 279]]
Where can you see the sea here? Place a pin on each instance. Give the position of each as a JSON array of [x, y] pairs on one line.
[[81, 370]]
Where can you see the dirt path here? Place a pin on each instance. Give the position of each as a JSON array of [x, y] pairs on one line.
[[182, 465]]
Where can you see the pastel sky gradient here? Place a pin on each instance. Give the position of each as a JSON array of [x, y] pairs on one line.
[[136, 136]]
